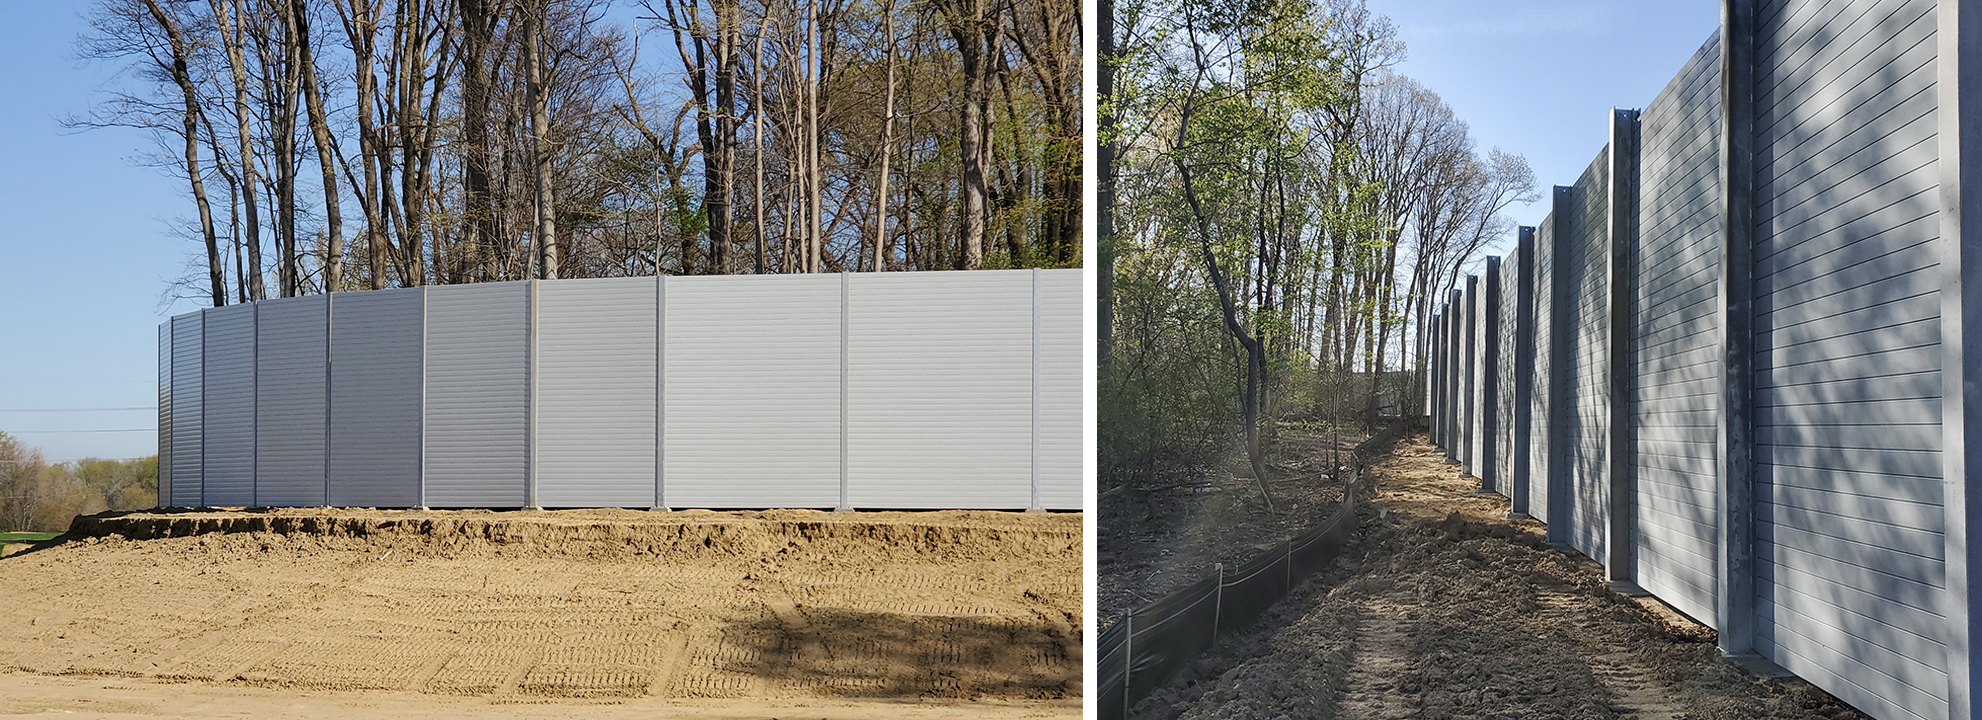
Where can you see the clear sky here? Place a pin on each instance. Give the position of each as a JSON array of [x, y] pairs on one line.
[[1539, 77], [86, 252], [85, 255]]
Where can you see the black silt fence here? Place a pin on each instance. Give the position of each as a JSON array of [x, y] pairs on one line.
[[1152, 643]]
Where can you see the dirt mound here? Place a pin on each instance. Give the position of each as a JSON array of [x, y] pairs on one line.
[[593, 604], [953, 535], [1442, 609]]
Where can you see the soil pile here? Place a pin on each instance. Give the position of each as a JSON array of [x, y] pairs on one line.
[[593, 604]]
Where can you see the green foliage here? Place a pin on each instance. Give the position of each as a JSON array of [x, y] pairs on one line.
[[38, 496], [1170, 398]]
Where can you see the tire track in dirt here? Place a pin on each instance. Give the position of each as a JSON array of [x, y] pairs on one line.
[[1635, 691], [1381, 659], [566, 604]]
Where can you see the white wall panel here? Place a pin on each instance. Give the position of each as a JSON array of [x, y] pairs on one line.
[[375, 359], [940, 389], [228, 407], [753, 391], [187, 448], [292, 376], [1061, 389], [596, 378], [477, 394]]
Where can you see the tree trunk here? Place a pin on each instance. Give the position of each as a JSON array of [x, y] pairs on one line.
[[183, 77], [540, 125], [477, 229], [225, 12], [887, 147], [320, 129], [974, 27]]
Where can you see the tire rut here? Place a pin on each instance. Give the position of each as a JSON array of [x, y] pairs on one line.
[[1380, 661]]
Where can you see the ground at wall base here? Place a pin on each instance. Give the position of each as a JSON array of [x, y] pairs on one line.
[[900, 613], [1441, 608]]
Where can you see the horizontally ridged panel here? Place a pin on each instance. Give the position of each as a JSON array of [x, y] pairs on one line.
[[596, 392], [1061, 388], [940, 390], [228, 406], [1849, 523], [165, 413], [1674, 340], [375, 360], [187, 447], [1510, 284], [477, 394], [1583, 425], [292, 372], [753, 391], [1541, 401], [1476, 371]]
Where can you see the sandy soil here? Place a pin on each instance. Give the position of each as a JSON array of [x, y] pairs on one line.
[[1165, 533], [35, 696], [560, 606], [1441, 609]]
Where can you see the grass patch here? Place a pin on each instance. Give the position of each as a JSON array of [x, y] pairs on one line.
[[26, 537]]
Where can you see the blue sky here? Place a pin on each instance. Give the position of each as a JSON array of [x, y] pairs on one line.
[[86, 253], [1538, 77]]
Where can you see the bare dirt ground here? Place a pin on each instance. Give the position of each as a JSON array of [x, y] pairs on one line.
[[1442, 609], [1167, 532], [871, 613]]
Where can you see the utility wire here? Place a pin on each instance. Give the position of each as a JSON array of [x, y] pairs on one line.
[[149, 429], [101, 409]]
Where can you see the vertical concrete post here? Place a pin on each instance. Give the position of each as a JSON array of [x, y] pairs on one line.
[[530, 374], [1561, 386], [1489, 470], [1470, 381], [1523, 337], [1959, 85], [1734, 608], [1621, 565]]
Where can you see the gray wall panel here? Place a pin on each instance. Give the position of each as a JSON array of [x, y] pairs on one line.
[[1541, 405], [940, 389], [1510, 278], [477, 390], [165, 413], [596, 392], [1583, 428], [187, 446], [1674, 350], [753, 391], [375, 369], [228, 406], [1061, 390], [1846, 149], [292, 403]]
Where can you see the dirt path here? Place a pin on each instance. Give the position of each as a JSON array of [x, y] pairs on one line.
[[597, 605], [1442, 609]]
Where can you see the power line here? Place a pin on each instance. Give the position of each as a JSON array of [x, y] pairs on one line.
[[149, 429], [101, 409]]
